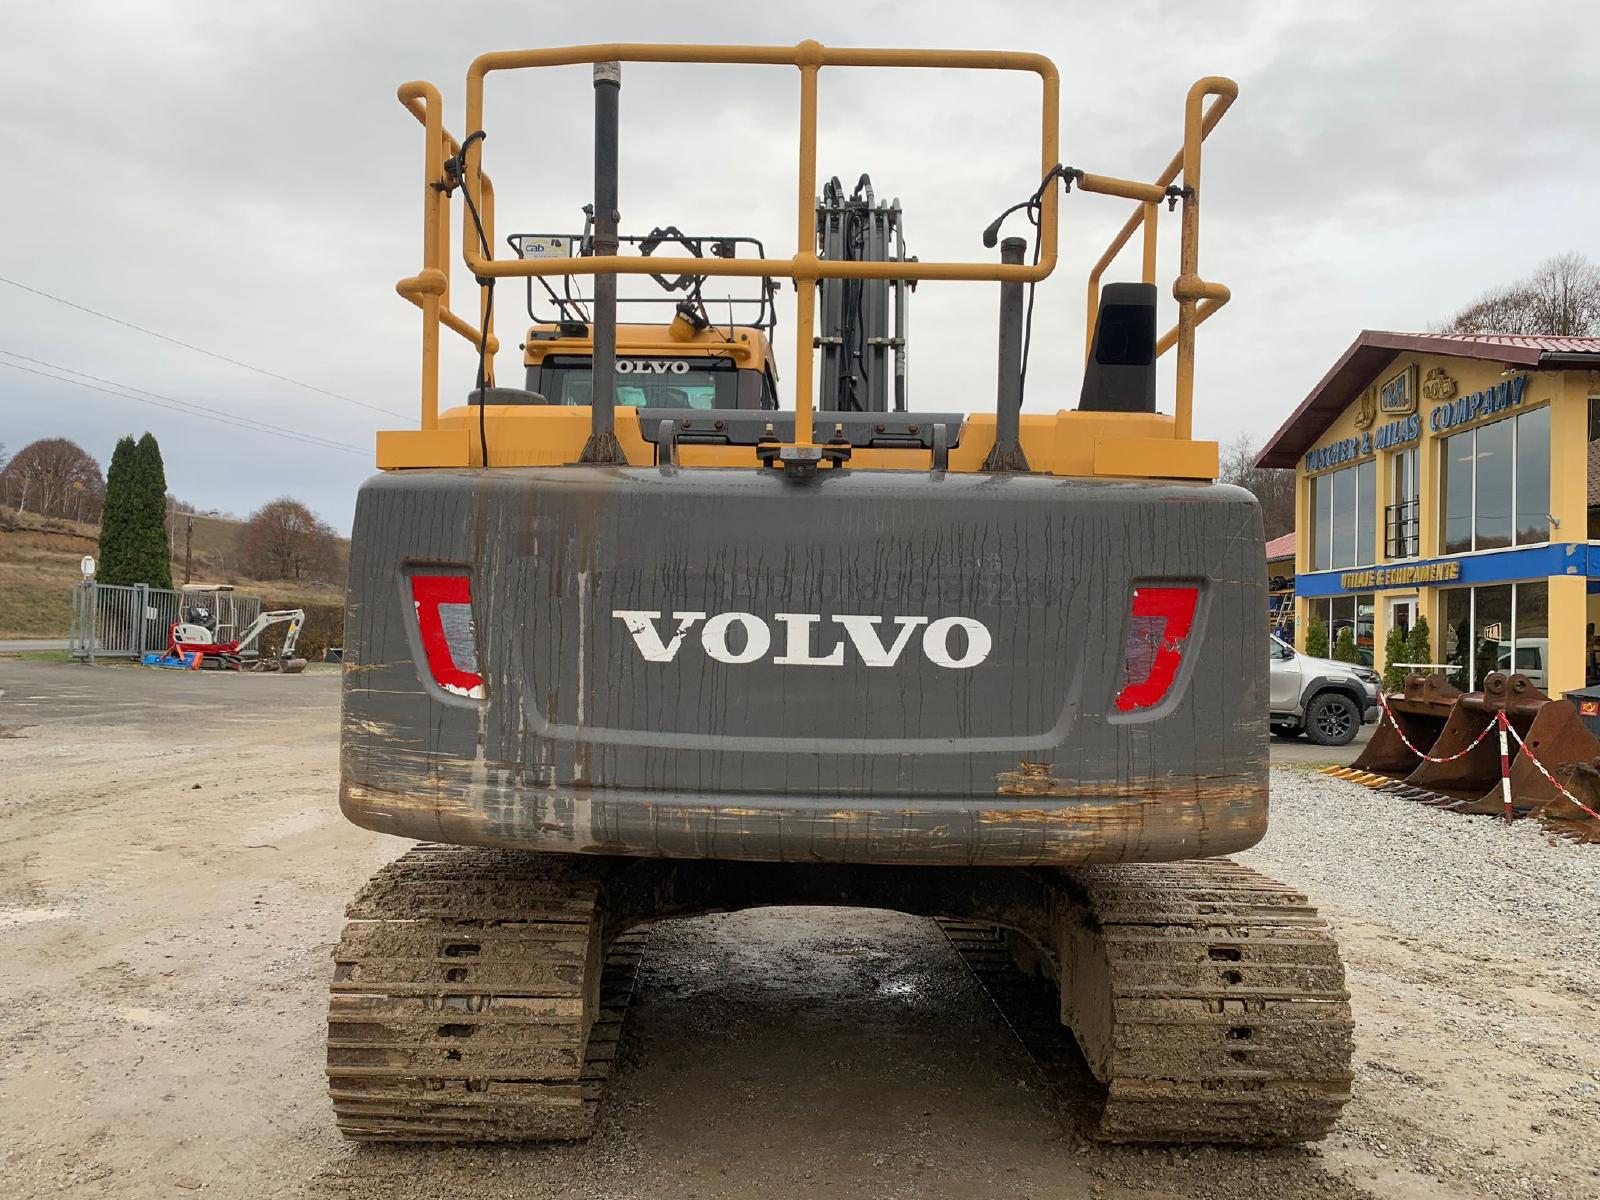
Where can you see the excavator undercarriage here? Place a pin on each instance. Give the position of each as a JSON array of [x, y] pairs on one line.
[[479, 995]]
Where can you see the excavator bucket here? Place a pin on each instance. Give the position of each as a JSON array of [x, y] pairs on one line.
[[293, 666], [1469, 779], [1559, 740], [1420, 712], [1561, 815]]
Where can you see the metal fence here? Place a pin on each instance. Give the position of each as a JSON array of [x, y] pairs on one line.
[[116, 621]]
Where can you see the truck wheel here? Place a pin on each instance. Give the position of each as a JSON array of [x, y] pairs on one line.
[[1332, 719]]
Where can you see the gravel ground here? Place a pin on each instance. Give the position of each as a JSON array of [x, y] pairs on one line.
[[1489, 889], [171, 881], [1473, 960]]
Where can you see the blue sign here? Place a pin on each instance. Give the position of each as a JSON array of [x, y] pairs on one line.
[[1395, 433], [1499, 566], [1505, 394]]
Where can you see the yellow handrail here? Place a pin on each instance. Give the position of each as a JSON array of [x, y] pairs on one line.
[[805, 268], [429, 289], [1197, 298]]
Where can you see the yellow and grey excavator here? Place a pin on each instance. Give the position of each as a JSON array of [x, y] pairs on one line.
[[633, 642]]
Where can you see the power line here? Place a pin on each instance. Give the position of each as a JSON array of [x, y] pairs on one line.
[[198, 410], [310, 387], [308, 440]]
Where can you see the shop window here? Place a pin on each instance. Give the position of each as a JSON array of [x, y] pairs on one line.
[[1353, 613], [1455, 467], [1491, 630], [1593, 475], [1401, 518], [1495, 484], [1500, 628], [1458, 635], [1532, 633], [1322, 522], [1493, 468], [1533, 477], [1344, 517], [1366, 524]]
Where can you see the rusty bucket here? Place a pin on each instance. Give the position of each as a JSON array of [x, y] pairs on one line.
[[1471, 778], [1562, 816], [1559, 739], [1420, 710]]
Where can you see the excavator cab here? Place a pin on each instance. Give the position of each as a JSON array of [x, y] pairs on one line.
[[642, 638]]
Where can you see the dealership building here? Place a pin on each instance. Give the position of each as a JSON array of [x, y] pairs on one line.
[[1456, 477]]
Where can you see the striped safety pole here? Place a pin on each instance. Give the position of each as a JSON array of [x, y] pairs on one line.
[[1505, 764]]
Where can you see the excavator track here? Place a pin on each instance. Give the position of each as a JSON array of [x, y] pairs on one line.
[[1207, 1000], [471, 1001]]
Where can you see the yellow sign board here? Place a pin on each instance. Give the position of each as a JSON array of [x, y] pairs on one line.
[[1407, 576]]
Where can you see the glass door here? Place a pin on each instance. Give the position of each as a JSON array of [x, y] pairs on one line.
[[1402, 616]]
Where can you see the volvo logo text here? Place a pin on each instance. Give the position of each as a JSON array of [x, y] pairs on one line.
[[652, 366], [807, 639]]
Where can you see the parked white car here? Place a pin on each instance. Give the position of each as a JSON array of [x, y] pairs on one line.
[[1326, 700]]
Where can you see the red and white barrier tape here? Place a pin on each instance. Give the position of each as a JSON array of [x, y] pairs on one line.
[[1383, 702], [1535, 761]]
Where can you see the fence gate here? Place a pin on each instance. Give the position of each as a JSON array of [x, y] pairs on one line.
[[129, 621]]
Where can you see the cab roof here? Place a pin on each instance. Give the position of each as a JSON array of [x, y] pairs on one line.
[[748, 347]]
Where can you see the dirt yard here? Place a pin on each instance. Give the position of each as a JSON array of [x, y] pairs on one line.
[[172, 876]]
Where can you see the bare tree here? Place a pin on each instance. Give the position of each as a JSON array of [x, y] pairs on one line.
[[1561, 297], [1272, 487], [286, 540], [54, 477]]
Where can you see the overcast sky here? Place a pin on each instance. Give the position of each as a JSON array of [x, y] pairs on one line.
[[240, 177]]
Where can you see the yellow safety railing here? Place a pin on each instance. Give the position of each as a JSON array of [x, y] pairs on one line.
[[429, 289], [1197, 299]]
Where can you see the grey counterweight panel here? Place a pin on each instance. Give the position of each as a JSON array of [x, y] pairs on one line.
[[878, 666]]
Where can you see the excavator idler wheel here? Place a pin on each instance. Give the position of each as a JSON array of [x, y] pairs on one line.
[[468, 1002]]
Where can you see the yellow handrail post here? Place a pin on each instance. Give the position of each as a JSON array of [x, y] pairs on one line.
[[1190, 288], [805, 258], [1152, 213], [430, 282], [485, 308]]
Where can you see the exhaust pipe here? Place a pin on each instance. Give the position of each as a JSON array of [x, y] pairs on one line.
[[602, 446], [1006, 453]]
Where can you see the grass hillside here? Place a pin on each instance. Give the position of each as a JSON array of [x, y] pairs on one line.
[[39, 559]]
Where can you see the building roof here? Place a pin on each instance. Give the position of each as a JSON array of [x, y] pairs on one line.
[[1283, 547], [1369, 353]]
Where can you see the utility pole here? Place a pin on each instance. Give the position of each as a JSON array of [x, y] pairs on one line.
[[188, 548]]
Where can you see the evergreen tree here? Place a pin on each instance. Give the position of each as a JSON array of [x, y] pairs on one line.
[[1394, 652], [1419, 643], [133, 526], [116, 518], [1344, 647], [154, 550], [1316, 637]]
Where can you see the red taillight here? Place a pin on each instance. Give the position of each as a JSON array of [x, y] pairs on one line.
[[1160, 625], [444, 619]]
